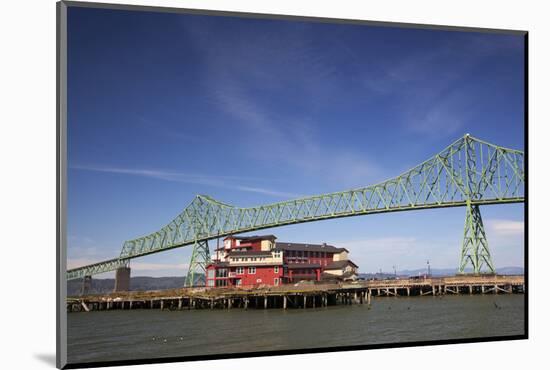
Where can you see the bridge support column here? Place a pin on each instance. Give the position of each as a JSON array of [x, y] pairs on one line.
[[475, 248], [199, 259], [86, 285], [122, 279]]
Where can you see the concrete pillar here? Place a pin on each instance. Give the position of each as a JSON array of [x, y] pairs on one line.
[[122, 279], [433, 290], [265, 302], [369, 294], [470, 289], [131, 302], [246, 303], [284, 302], [395, 292], [483, 289], [408, 292], [496, 289], [86, 285], [161, 304], [230, 303], [211, 303], [313, 301], [305, 301]]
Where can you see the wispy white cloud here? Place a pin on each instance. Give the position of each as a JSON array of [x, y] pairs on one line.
[[499, 227], [142, 266], [274, 193], [405, 252], [245, 90], [293, 141], [227, 182], [431, 88]]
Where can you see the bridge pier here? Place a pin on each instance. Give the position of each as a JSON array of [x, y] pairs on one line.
[[122, 279], [86, 285]]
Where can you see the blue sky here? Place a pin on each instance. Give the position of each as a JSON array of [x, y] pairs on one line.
[[162, 107]]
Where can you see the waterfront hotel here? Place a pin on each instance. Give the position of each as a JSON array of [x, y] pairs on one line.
[[259, 260]]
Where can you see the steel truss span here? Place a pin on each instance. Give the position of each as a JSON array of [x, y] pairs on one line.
[[470, 172]]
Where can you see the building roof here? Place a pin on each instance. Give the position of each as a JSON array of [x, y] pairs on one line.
[[344, 276], [218, 264], [303, 265], [309, 247], [252, 237], [249, 253], [336, 265]]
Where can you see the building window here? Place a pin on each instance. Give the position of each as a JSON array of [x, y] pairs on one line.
[[239, 282], [252, 270], [210, 282], [276, 281], [221, 273], [211, 273], [240, 270], [276, 270]]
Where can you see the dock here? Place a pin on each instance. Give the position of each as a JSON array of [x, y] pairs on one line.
[[293, 296]]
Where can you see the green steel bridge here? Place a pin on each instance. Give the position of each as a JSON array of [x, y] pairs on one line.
[[470, 172]]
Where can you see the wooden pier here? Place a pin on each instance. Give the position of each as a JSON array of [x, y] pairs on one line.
[[298, 295]]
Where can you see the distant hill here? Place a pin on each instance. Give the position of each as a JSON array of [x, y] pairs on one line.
[[102, 286], [509, 270]]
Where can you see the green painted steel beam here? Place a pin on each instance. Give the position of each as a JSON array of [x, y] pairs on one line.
[[469, 170], [97, 268]]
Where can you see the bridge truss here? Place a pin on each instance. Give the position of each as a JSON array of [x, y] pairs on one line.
[[470, 172]]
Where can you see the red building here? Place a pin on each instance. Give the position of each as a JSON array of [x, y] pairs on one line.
[[259, 260]]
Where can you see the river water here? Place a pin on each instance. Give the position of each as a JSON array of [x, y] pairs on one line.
[[142, 334]]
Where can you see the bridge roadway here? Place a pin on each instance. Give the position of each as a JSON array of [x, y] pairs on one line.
[[298, 295]]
